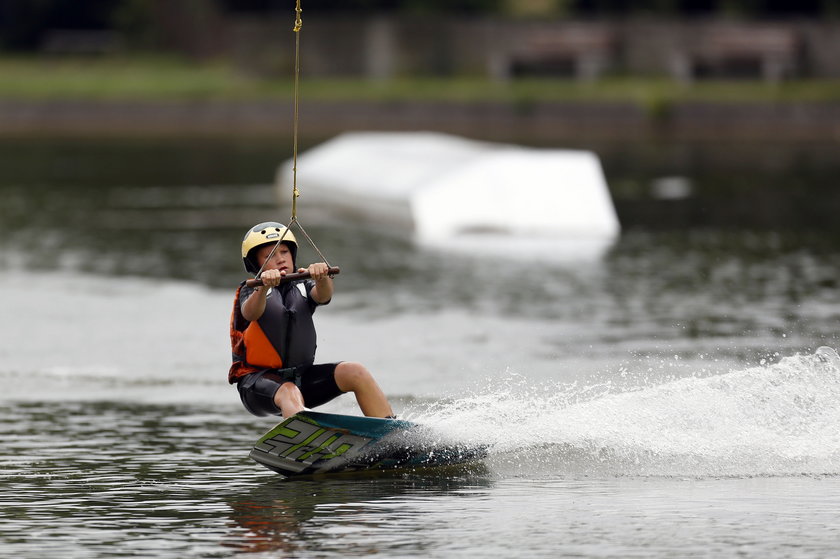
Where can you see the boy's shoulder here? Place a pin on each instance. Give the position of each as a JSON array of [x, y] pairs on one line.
[[243, 291]]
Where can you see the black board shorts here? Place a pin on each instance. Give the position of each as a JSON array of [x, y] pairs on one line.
[[316, 383]]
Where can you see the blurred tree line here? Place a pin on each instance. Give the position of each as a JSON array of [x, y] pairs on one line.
[[24, 24]]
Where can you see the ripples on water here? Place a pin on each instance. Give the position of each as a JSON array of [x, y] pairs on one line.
[[631, 473], [103, 478]]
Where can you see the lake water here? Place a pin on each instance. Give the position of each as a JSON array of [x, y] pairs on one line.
[[665, 398]]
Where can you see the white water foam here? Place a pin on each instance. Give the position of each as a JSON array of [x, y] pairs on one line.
[[772, 420]]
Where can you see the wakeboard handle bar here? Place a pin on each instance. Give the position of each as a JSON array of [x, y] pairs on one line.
[[256, 282]]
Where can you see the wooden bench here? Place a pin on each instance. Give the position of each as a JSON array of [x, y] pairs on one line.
[[738, 51], [580, 52]]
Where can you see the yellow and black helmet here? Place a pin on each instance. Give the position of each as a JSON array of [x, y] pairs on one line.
[[265, 233]]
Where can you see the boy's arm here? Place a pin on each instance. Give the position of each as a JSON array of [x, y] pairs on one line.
[[322, 292], [254, 306]]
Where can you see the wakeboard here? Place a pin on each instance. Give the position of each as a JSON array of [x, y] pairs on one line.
[[313, 443]]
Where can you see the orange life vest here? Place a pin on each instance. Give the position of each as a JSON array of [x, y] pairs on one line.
[[291, 333]]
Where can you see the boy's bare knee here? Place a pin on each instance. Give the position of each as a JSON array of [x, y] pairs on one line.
[[351, 375], [289, 400], [286, 394]]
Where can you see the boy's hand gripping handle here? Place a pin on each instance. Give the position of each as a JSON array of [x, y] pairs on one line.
[[256, 282]]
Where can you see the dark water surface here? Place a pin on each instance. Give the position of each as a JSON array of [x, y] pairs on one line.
[[665, 398], [104, 479]]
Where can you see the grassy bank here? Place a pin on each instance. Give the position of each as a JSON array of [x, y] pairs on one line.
[[151, 79]]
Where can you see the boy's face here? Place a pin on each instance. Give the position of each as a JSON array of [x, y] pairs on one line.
[[280, 260]]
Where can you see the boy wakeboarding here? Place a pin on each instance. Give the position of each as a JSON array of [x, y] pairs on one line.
[[273, 335]]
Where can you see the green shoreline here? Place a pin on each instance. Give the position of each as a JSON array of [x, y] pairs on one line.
[[165, 96], [159, 79]]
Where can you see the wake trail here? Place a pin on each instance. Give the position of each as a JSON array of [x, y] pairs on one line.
[[771, 420]]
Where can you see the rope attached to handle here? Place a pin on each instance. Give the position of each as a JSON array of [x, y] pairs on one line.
[[296, 29], [296, 120]]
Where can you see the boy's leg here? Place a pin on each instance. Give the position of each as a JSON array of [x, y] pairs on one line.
[[354, 377], [289, 399]]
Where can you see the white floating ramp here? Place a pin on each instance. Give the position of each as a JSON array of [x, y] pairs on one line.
[[447, 191]]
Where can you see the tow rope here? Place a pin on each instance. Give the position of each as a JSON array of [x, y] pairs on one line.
[[293, 220]]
